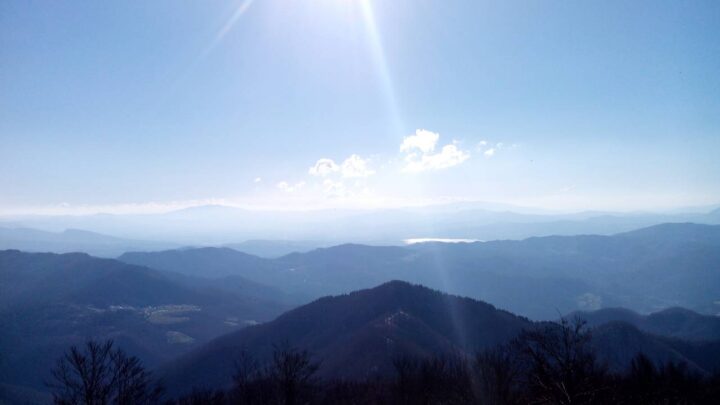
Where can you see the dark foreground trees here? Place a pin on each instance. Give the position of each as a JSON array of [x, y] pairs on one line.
[[99, 374], [559, 366], [551, 364], [289, 378]]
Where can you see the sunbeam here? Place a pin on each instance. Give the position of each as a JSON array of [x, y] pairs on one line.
[[227, 27], [378, 56], [217, 39]]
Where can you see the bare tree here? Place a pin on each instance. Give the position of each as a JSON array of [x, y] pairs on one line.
[[97, 374], [562, 367], [497, 376], [292, 371], [133, 384], [251, 382]]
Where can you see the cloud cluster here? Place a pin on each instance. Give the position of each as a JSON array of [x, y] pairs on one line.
[[423, 140], [352, 167], [335, 175], [420, 153], [355, 166], [323, 167]]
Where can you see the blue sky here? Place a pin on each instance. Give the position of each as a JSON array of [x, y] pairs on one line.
[[141, 106]]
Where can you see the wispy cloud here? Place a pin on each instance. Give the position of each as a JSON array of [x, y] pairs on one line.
[[334, 189], [290, 188], [489, 150]]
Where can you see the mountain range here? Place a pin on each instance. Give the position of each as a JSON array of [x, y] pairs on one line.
[[188, 312], [221, 225], [644, 270], [73, 240]]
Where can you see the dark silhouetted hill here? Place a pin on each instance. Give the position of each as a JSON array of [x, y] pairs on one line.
[[357, 335], [617, 343]]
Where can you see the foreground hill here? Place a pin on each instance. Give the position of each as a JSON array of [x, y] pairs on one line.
[[50, 301], [646, 270], [357, 335]]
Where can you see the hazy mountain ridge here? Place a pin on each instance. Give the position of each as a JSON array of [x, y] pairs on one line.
[[645, 270], [275, 248], [222, 225], [73, 240], [194, 261]]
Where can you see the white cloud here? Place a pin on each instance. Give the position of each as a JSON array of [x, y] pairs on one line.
[[423, 140], [286, 187], [352, 167], [490, 150], [355, 166], [323, 167], [449, 156], [334, 189], [257, 180], [419, 157]]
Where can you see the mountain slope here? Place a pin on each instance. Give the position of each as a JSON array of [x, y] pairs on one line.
[[50, 301], [203, 262], [357, 334], [617, 343], [672, 322]]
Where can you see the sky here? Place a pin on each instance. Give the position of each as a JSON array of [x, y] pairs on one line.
[[144, 106]]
